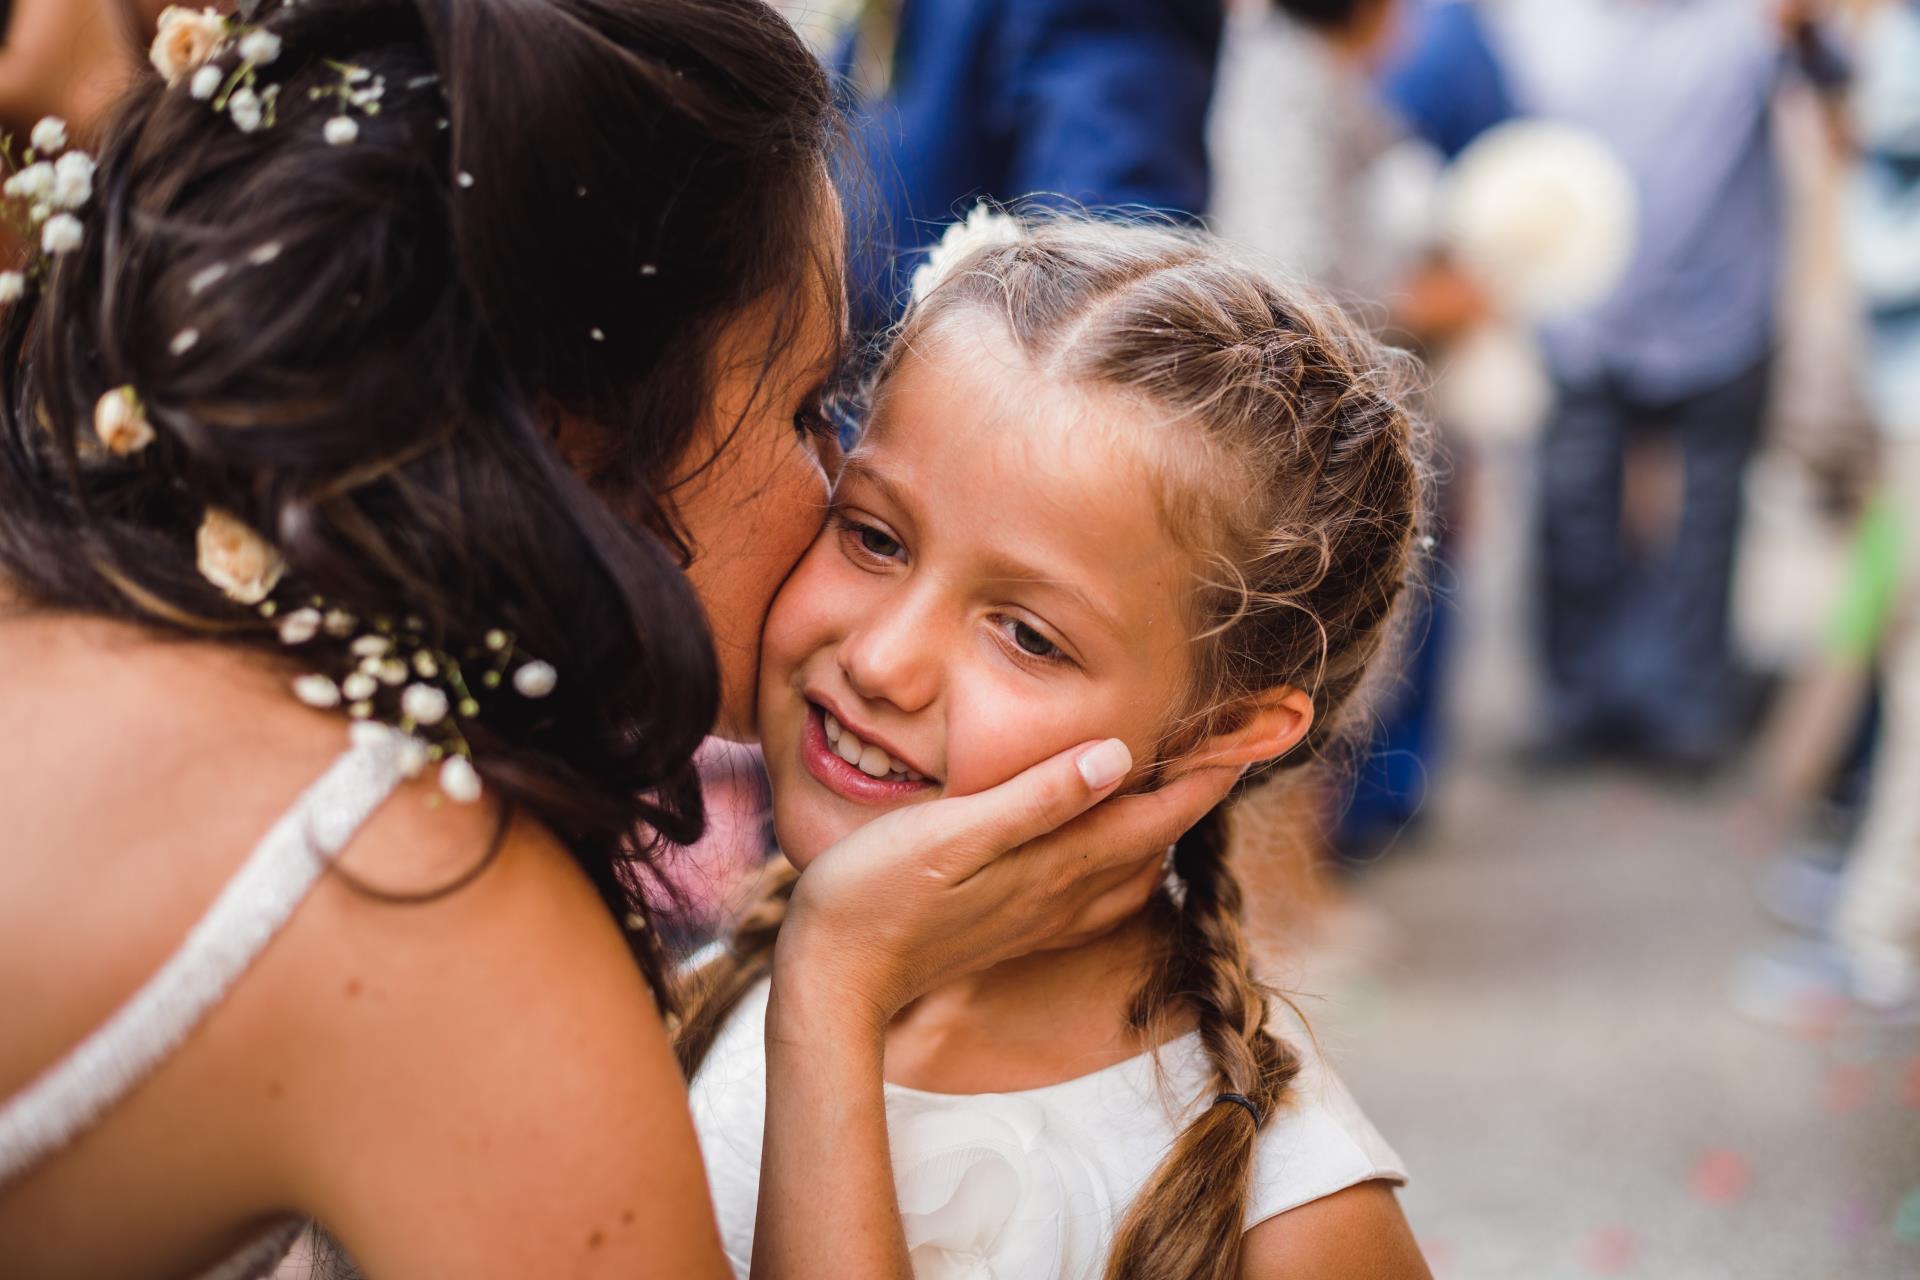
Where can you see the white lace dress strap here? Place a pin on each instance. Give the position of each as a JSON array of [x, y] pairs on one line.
[[77, 1090]]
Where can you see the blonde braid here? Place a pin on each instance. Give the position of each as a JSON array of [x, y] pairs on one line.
[[1187, 1222], [711, 992]]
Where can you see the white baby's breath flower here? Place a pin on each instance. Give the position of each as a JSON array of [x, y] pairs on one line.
[[424, 666], [460, 780], [120, 420], [300, 626], [244, 107], [413, 757], [983, 228], [35, 182], [317, 691], [62, 234], [340, 130], [259, 47], [49, 136], [13, 286], [236, 559], [496, 640], [536, 679], [41, 212], [391, 671], [206, 82], [186, 39], [72, 180], [339, 622], [370, 647], [424, 704], [359, 686]]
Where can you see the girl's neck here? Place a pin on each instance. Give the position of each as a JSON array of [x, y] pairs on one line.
[[1034, 1020]]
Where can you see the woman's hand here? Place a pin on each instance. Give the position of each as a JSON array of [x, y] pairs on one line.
[[910, 899], [960, 884]]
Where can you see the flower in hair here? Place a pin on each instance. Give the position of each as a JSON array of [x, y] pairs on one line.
[[259, 47], [49, 136], [983, 228], [120, 420], [13, 286], [394, 676], [236, 559], [246, 108], [62, 234], [187, 39], [359, 90], [72, 180]]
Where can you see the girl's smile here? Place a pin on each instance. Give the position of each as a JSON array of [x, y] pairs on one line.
[[855, 766]]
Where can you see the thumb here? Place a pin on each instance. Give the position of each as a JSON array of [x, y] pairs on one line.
[[988, 823]]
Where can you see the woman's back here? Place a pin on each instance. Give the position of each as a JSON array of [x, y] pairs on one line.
[[360, 1064]]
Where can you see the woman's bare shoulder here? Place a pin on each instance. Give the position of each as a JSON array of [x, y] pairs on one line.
[[497, 1039]]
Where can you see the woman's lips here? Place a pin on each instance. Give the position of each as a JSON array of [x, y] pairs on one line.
[[843, 779]]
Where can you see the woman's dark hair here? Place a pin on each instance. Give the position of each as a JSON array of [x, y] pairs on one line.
[[556, 209]]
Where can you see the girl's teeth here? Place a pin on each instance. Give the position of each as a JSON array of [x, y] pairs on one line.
[[874, 762], [870, 760]]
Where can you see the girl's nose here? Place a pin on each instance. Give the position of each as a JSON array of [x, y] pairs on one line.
[[893, 656]]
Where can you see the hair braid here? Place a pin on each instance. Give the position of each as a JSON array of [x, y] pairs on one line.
[[710, 992], [1186, 1223]]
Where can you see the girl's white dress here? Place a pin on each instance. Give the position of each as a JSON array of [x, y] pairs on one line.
[[1032, 1185]]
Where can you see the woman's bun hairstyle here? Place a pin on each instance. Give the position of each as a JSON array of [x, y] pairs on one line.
[[365, 351]]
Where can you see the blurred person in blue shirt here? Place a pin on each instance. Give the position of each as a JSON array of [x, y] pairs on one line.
[[1102, 102], [1636, 638]]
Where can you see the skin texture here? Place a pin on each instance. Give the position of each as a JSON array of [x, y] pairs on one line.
[[990, 514]]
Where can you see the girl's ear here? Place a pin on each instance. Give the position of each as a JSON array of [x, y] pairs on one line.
[[1265, 726]]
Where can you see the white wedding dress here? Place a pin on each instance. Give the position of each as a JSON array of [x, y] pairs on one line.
[[82, 1087]]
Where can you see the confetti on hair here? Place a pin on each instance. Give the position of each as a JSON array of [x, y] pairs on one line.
[[1720, 1177]]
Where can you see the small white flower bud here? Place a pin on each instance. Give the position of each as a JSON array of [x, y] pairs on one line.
[[120, 422], [62, 234], [317, 691], [370, 647], [245, 108], [496, 640], [205, 82], [392, 671], [359, 686], [259, 47], [13, 286], [460, 780], [536, 679], [413, 757], [49, 135], [300, 626], [341, 130], [424, 665], [339, 622], [423, 704]]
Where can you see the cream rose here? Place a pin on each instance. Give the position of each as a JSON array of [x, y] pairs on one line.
[[187, 38], [236, 559], [120, 420]]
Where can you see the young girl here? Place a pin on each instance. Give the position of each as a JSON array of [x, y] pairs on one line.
[[1113, 484]]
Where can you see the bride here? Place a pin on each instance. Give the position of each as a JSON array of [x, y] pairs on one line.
[[450, 370]]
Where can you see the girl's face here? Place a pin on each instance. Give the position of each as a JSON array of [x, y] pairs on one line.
[[995, 585]]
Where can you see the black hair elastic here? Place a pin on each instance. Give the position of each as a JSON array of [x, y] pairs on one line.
[[1239, 1100]]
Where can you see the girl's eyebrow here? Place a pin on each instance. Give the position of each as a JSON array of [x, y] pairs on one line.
[[998, 566]]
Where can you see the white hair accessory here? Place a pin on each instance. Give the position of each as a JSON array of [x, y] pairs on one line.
[[983, 228]]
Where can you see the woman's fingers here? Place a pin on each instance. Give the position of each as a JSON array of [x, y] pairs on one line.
[[987, 824], [1131, 827]]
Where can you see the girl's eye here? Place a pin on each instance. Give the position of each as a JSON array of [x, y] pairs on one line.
[[1031, 642], [869, 540], [876, 542]]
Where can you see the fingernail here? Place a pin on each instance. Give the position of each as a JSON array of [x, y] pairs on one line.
[[1106, 764]]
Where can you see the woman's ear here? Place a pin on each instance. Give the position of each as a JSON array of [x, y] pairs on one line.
[[1264, 726]]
